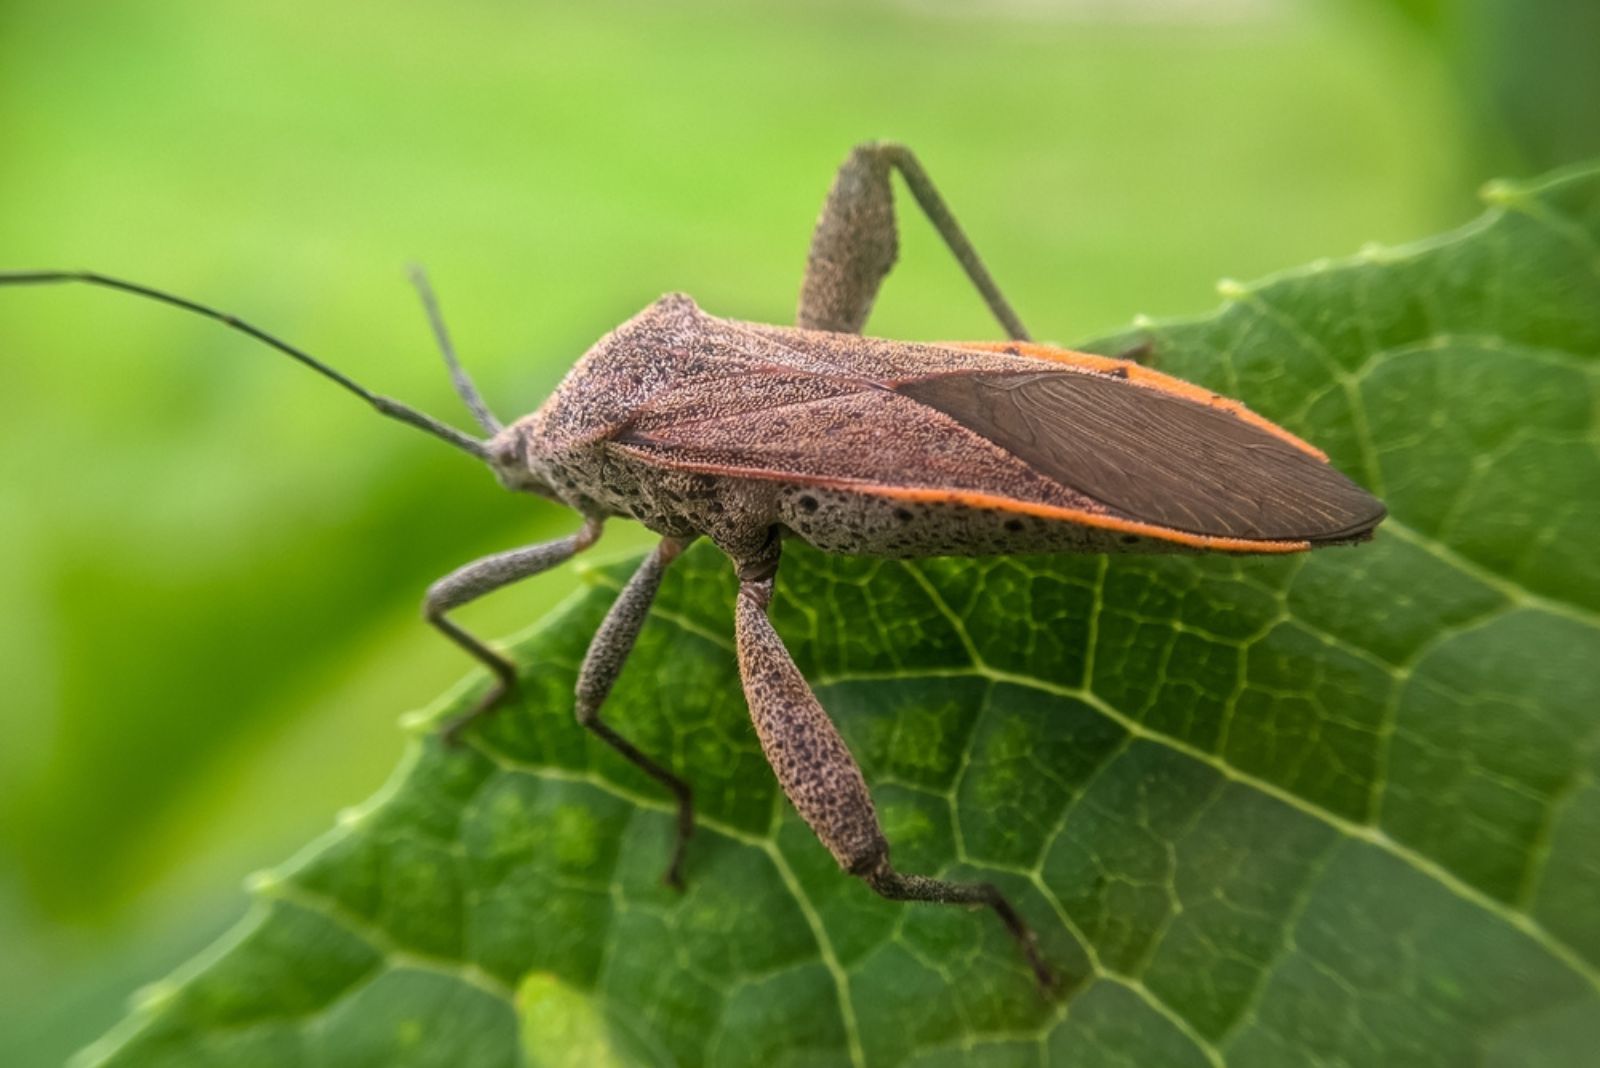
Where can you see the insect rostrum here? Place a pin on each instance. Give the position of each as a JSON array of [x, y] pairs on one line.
[[744, 433]]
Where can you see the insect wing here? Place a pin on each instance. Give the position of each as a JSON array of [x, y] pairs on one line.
[[1154, 456]]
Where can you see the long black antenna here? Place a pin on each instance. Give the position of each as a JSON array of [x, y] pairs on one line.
[[458, 375], [392, 408]]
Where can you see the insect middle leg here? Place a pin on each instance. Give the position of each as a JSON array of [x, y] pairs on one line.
[[603, 663], [823, 781], [484, 576], [854, 245]]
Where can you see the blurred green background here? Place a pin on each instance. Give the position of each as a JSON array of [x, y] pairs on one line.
[[213, 560]]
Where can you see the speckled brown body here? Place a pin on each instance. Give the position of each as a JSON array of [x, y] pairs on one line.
[[698, 425]]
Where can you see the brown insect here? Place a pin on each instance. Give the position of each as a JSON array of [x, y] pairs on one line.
[[745, 433]]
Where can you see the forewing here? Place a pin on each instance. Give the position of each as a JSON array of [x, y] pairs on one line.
[[1154, 456], [868, 437]]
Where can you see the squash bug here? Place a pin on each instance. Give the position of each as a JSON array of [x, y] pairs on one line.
[[745, 433]]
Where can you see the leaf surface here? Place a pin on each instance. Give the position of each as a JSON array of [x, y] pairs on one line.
[[1340, 808]]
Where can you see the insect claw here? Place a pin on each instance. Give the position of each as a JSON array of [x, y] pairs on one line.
[[1049, 985], [673, 877], [1139, 354], [450, 734]]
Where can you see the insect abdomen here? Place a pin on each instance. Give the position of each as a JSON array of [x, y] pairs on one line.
[[876, 522]]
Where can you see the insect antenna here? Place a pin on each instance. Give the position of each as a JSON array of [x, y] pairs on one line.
[[391, 408], [458, 374]]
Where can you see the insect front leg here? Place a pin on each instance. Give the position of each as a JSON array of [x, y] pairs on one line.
[[484, 576], [854, 245], [603, 663], [823, 781]]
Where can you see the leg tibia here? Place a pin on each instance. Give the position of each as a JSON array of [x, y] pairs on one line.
[[897, 887], [854, 245]]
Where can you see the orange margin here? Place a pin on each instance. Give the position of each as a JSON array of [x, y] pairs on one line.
[[1139, 375], [989, 500], [1082, 518]]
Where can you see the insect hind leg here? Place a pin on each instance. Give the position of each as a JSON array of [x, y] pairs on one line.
[[823, 781], [608, 651], [855, 245]]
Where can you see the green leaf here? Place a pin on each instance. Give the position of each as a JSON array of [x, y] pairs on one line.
[[1340, 808]]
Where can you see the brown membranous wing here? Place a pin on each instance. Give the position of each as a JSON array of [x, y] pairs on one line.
[[1156, 457]]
